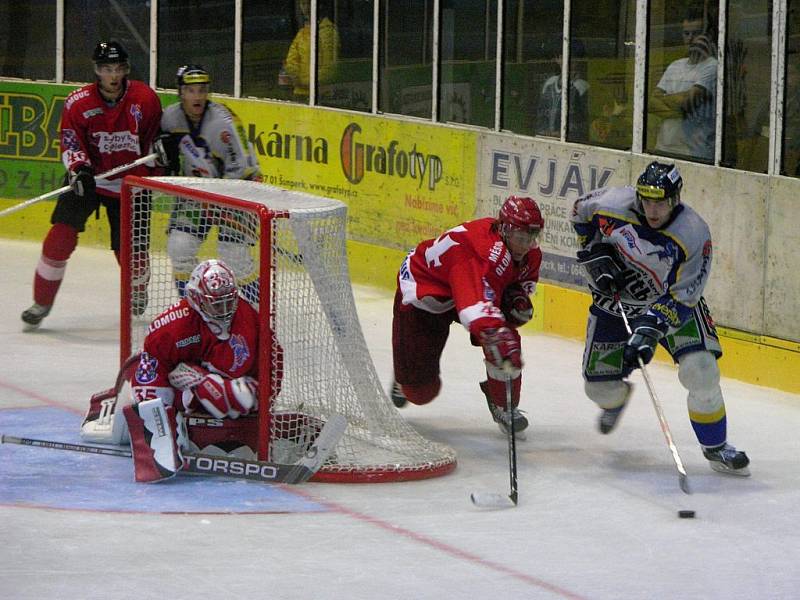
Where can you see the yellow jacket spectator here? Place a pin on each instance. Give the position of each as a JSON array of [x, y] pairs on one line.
[[298, 61]]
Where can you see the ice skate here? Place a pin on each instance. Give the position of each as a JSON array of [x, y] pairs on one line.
[[34, 316], [610, 416], [396, 394], [500, 416], [727, 459]]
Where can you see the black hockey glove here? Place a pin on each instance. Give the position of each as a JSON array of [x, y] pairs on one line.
[[642, 344], [168, 157], [604, 267], [82, 181], [516, 305]]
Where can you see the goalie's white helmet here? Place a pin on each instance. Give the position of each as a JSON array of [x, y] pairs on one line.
[[213, 293]]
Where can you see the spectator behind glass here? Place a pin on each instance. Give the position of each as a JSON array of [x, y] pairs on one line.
[[296, 67], [685, 97], [548, 112]]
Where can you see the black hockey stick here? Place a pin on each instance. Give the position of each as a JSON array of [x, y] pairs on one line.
[[226, 466], [493, 499], [683, 479]]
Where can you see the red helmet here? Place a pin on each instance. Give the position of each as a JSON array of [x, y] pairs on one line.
[[213, 293], [520, 212]]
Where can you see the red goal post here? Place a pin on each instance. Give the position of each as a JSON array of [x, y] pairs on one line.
[[288, 251]]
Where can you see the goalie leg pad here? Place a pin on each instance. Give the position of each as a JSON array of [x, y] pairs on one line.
[[154, 440], [104, 422]]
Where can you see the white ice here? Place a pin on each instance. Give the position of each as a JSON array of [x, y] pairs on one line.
[[597, 516]]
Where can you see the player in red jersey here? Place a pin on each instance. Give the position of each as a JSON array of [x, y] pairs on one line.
[[111, 122], [199, 355], [211, 335], [480, 274]]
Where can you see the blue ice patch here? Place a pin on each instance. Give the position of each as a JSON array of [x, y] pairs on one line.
[[77, 481]]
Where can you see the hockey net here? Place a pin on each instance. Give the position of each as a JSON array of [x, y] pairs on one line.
[[288, 251]]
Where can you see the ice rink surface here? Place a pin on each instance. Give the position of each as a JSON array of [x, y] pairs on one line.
[[597, 516]]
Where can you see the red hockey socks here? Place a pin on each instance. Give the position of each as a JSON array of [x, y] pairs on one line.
[[56, 250]]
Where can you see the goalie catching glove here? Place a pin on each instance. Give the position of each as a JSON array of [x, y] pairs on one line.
[[603, 267], [516, 305], [217, 395], [502, 351], [647, 331]]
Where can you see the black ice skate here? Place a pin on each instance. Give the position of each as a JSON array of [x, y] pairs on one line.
[[727, 459], [34, 315], [500, 416], [396, 394], [609, 417]]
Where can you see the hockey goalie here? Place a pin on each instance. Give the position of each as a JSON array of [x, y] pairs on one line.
[[194, 385]]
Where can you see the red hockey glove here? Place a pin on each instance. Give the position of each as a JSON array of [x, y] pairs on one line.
[[502, 350], [222, 397]]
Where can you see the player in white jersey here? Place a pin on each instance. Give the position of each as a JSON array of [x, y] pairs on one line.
[[646, 249], [208, 140]]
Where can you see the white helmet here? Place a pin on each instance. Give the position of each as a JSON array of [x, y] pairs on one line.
[[213, 293]]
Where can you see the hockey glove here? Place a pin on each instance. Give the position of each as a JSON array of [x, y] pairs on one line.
[[221, 397], [603, 267], [502, 352], [642, 344], [516, 305], [166, 146], [82, 181]]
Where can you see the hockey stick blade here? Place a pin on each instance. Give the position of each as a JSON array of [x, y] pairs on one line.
[[320, 451], [492, 500], [683, 481], [226, 466]]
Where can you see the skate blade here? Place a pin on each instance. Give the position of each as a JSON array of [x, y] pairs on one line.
[[721, 468], [519, 435]]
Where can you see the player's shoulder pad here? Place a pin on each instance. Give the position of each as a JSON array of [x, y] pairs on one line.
[[689, 226], [80, 94], [173, 120]]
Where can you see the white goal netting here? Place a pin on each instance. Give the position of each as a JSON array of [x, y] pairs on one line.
[[288, 251]]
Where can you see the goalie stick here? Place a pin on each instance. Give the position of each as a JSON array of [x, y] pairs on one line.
[[683, 479], [227, 466], [493, 499], [66, 188]]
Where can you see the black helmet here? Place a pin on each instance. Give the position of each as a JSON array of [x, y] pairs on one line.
[[659, 182], [109, 52], [189, 74]]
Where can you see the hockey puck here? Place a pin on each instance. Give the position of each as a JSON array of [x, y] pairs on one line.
[[686, 514]]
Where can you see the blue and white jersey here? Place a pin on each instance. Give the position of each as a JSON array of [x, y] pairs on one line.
[[667, 268], [217, 147]]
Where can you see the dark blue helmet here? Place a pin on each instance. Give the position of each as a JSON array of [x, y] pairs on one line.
[[659, 182]]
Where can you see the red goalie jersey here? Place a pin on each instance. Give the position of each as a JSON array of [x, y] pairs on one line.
[[104, 137], [467, 267], [179, 335]]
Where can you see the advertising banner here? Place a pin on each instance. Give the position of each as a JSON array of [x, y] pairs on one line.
[[554, 175], [403, 182]]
